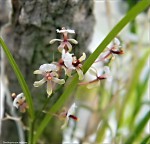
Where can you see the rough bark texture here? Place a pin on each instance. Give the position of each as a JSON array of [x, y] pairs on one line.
[[33, 24]]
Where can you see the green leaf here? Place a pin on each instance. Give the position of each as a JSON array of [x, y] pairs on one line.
[[129, 17], [146, 140], [141, 89], [139, 128], [100, 135], [19, 77], [132, 86]]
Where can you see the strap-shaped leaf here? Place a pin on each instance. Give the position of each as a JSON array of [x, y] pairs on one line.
[[20, 78]]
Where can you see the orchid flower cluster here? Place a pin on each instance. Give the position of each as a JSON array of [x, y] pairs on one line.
[[68, 62], [50, 72]]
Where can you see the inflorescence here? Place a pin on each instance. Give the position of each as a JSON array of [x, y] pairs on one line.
[[68, 62]]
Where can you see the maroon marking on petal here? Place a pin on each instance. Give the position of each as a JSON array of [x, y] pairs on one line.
[[73, 117], [66, 48], [117, 52], [89, 82], [61, 62], [76, 63], [102, 77], [105, 57]]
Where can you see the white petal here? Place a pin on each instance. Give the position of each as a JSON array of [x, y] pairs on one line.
[[20, 96], [104, 54], [54, 74], [106, 70], [117, 41], [37, 72], [109, 46], [70, 31], [71, 110], [80, 73], [94, 84], [69, 46], [64, 30], [39, 83], [83, 57], [68, 72], [15, 104], [65, 123], [54, 40], [59, 81], [68, 64], [49, 88], [61, 47], [73, 41], [67, 58], [93, 71], [48, 67]]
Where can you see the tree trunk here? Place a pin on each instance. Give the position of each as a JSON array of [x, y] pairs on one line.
[[33, 24]]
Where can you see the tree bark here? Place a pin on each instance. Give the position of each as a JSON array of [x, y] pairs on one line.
[[33, 24]]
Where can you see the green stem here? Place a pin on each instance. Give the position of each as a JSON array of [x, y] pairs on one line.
[[31, 131]]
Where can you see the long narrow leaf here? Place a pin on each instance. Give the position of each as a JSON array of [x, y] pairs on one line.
[[146, 140], [141, 89], [130, 16], [19, 77], [138, 129], [136, 74]]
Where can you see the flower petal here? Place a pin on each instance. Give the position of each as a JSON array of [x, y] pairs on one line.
[[69, 46], [59, 81], [15, 103], [94, 84], [73, 41], [80, 73], [117, 41], [54, 40], [49, 88], [106, 70], [48, 67], [39, 83], [37, 72], [61, 47], [54, 74], [83, 57], [105, 55], [67, 58], [64, 30], [68, 72], [71, 110], [65, 123], [93, 71]]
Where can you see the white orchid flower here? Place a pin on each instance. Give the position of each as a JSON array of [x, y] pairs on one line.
[[49, 72], [112, 49], [98, 77], [65, 42], [70, 114], [20, 102], [70, 63]]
